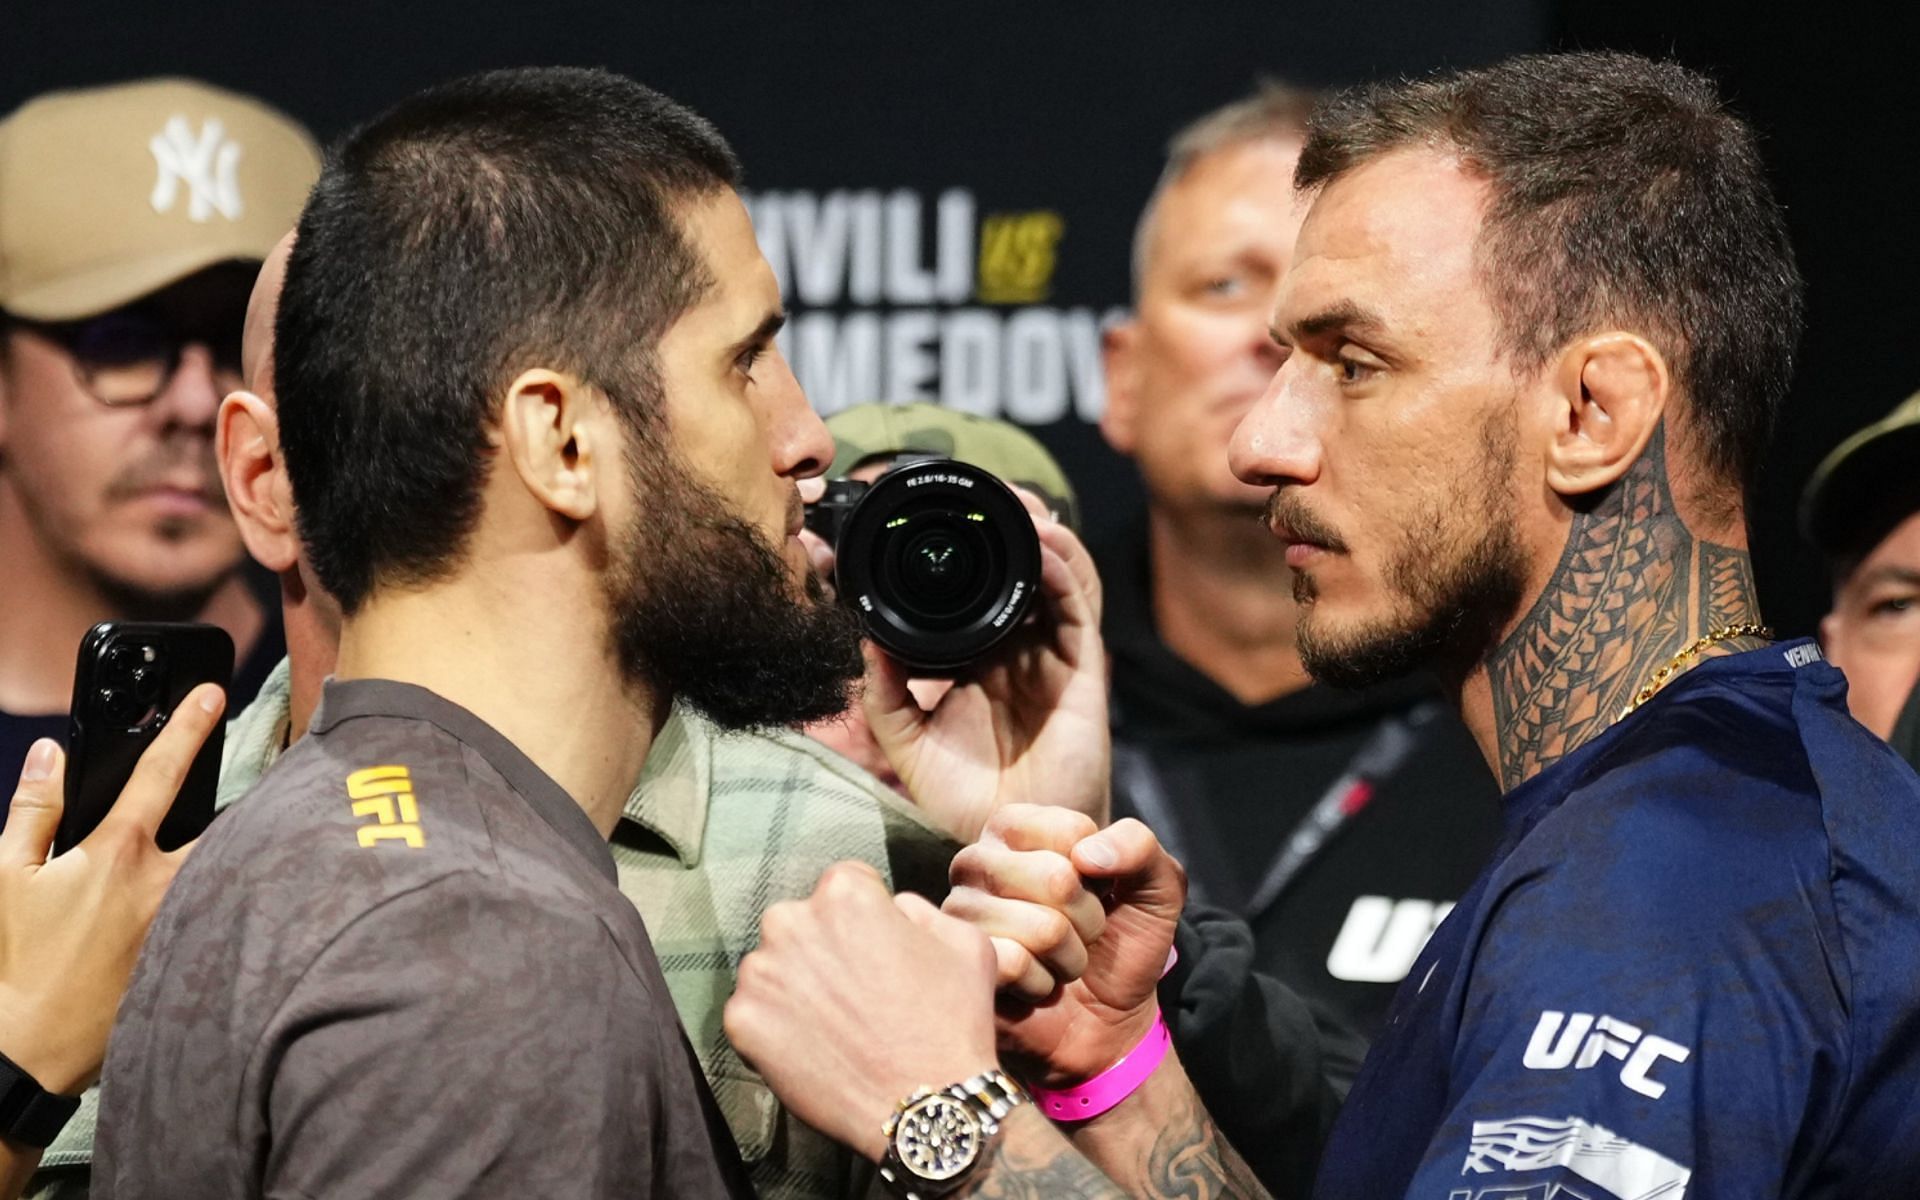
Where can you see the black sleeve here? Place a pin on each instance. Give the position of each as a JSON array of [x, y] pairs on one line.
[[1271, 1067]]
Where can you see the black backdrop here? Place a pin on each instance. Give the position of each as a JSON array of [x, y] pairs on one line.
[[948, 190]]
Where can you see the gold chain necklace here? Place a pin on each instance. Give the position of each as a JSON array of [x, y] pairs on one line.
[[1674, 667]]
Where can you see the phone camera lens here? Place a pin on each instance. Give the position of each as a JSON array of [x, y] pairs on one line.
[[146, 684], [118, 704], [122, 658]]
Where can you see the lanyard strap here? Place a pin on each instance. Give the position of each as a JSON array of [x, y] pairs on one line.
[[1385, 751]]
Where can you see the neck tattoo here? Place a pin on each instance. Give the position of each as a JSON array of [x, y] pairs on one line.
[[1636, 592]]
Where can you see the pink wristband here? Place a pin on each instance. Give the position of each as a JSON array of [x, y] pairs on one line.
[[1112, 1085]]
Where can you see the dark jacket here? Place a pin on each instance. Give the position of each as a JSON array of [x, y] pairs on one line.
[[1408, 811]]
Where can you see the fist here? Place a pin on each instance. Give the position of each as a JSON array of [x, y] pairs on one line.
[[855, 998], [1082, 923]]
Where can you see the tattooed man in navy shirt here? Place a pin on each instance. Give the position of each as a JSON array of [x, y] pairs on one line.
[[1536, 328]]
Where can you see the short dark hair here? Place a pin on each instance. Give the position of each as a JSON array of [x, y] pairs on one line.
[[504, 221], [1622, 190]]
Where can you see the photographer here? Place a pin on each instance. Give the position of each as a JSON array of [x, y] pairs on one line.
[[868, 439]]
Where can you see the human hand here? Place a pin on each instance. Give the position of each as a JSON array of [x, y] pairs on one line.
[[71, 926], [855, 998], [1078, 972], [819, 553], [1028, 726]]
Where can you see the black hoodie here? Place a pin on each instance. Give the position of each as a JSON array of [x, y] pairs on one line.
[[1409, 812]]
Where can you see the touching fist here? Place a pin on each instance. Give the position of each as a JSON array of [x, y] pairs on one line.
[[856, 997], [1082, 923]]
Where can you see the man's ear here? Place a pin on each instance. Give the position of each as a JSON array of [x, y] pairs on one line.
[[1607, 398], [247, 443], [1119, 357], [552, 434]]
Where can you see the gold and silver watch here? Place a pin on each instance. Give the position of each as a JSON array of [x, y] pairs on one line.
[[939, 1136]]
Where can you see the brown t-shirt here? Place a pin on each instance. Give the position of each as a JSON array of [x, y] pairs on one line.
[[403, 968]]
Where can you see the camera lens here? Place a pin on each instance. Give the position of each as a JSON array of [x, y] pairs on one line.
[[942, 561], [146, 684], [122, 658], [936, 566], [936, 570], [119, 705]]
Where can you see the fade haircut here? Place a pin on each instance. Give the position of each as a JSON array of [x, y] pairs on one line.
[[505, 221], [1274, 112], [1622, 193]]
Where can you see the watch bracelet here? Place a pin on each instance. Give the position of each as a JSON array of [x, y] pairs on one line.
[[990, 1095], [1005, 1096]]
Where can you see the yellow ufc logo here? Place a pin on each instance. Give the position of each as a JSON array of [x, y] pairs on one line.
[[386, 794]]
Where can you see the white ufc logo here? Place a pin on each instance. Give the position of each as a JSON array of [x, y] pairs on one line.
[[204, 162], [1587, 1039], [1382, 937]]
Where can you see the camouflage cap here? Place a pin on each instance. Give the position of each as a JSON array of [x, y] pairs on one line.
[[1866, 485], [110, 193], [869, 431]]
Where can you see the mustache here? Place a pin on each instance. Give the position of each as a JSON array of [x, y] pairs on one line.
[[171, 459], [1288, 516]]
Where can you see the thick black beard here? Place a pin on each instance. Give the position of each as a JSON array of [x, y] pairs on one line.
[[1457, 597], [706, 611]]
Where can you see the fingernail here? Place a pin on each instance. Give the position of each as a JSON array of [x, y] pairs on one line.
[[39, 761], [210, 702], [1097, 853]]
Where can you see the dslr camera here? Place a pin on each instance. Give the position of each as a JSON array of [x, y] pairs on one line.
[[939, 556]]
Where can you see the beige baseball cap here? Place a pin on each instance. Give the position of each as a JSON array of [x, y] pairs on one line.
[[110, 193], [869, 431]]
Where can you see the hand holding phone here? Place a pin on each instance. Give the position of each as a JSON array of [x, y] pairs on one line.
[[128, 682], [71, 925]]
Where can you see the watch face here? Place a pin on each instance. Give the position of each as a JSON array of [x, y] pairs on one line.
[[937, 1138]]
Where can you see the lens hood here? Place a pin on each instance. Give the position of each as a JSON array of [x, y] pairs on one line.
[[941, 559]]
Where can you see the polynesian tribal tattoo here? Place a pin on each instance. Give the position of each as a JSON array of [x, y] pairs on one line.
[[1633, 587]]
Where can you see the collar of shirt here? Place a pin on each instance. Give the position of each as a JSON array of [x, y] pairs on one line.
[[670, 800], [672, 796], [344, 700]]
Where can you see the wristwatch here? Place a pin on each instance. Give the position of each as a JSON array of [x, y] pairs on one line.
[[30, 1115], [938, 1137]]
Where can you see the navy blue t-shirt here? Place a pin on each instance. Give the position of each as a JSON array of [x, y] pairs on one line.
[[1692, 970]]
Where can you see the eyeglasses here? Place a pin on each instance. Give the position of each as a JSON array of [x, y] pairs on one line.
[[126, 358]]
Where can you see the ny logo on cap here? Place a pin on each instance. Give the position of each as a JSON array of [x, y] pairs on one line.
[[205, 163]]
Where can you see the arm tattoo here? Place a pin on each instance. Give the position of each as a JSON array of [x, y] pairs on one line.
[[1188, 1160], [1191, 1161], [1633, 587], [1054, 1171]]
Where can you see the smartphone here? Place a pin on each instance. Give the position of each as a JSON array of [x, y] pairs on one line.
[[128, 680]]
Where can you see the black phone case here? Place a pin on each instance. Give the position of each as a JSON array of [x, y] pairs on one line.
[[129, 679]]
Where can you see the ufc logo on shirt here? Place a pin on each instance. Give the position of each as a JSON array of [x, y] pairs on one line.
[[1581, 1040]]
